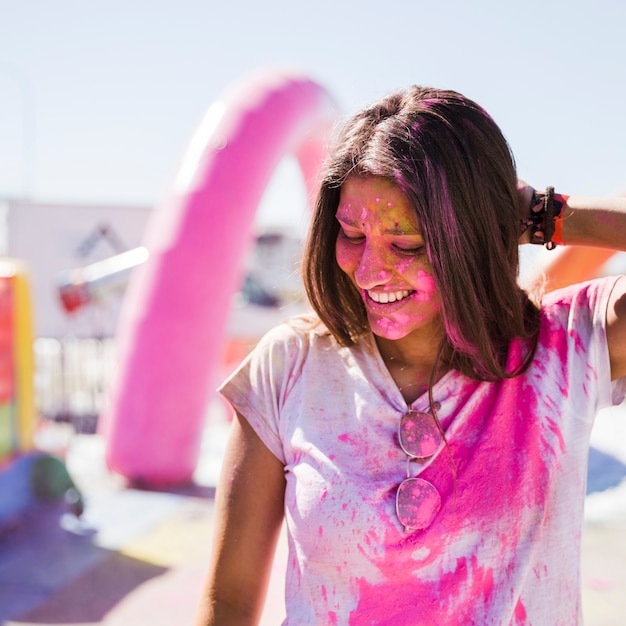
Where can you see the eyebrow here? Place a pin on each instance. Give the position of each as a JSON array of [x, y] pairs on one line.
[[391, 231]]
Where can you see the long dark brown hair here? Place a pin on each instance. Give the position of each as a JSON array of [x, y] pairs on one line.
[[456, 168]]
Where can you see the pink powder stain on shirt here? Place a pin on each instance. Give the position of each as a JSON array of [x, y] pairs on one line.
[[520, 613], [488, 484], [578, 342], [556, 432], [478, 466], [487, 585], [359, 441], [504, 458], [404, 600]]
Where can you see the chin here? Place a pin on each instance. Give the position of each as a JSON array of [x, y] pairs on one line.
[[388, 331]]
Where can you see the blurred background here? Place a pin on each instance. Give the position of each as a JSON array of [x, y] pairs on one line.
[[98, 103], [100, 98]]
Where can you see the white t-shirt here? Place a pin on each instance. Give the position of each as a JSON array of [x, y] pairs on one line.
[[504, 548]]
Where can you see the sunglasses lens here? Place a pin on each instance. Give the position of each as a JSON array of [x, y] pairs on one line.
[[419, 435], [417, 503]]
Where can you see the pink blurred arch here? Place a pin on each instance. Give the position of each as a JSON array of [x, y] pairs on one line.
[[175, 311]]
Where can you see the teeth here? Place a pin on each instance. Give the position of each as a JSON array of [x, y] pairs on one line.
[[388, 296]]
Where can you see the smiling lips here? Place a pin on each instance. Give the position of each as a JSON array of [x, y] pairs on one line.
[[384, 297]]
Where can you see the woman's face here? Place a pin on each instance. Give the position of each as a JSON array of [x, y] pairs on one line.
[[382, 251]]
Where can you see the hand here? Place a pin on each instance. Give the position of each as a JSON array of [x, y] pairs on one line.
[[526, 200]]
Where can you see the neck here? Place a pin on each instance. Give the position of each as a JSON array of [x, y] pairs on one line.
[[413, 349], [411, 362]]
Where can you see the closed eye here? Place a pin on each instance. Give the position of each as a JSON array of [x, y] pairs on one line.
[[351, 237], [409, 250]]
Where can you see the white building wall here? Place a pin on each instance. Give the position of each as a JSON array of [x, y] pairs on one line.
[[52, 238]]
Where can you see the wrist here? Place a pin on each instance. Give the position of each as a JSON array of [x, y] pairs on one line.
[[544, 218]]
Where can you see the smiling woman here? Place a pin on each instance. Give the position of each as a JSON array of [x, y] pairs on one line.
[[425, 435], [380, 249]]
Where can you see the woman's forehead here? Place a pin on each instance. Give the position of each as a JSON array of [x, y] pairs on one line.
[[376, 200]]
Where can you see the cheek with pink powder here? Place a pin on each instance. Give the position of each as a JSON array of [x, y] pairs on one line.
[[425, 285], [419, 308]]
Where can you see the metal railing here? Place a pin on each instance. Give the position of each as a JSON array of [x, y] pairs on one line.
[[71, 378]]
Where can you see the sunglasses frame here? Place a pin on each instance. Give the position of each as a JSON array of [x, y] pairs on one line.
[[417, 500]]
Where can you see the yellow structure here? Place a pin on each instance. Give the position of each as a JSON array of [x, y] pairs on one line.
[[17, 410]]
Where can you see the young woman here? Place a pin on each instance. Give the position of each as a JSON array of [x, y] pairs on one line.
[[425, 435]]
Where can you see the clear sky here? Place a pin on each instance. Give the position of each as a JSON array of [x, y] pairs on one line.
[[98, 99]]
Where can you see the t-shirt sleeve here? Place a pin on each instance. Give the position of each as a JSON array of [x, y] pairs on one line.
[[259, 386], [588, 304], [619, 384], [599, 299]]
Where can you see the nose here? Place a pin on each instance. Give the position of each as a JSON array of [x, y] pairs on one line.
[[374, 268]]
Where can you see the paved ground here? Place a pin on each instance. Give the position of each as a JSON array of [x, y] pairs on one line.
[[139, 557], [135, 557]]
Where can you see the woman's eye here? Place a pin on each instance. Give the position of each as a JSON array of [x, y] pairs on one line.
[[412, 251], [352, 238]]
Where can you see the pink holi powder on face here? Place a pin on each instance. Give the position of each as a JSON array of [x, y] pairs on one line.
[[428, 280], [403, 266], [382, 251], [398, 325]]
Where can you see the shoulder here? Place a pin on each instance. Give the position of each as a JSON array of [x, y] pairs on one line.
[[574, 343], [592, 295], [576, 316], [291, 341], [300, 330]]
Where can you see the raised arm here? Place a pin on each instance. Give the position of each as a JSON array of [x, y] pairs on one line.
[[598, 223], [248, 517], [601, 223]]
